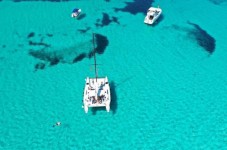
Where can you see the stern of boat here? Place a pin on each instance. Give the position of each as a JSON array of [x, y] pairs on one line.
[[108, 107], [86, 108]]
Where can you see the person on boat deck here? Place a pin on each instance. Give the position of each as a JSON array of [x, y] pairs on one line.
[[90, 87], [102, 97], [101, 86]]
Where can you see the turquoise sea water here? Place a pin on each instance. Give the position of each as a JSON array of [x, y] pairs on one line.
[[168, 81]]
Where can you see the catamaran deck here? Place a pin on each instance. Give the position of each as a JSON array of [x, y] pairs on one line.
[[97, 93]]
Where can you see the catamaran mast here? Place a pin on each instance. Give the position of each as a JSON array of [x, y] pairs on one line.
[[96, 73]]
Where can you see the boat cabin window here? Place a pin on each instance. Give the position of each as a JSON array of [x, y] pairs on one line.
[[151, 17]]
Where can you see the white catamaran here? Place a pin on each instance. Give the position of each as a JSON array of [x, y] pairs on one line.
[[96, 90]]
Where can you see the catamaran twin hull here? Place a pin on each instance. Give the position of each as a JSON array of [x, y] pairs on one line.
[[96, 93]]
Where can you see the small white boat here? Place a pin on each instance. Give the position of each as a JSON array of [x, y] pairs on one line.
[[152, 15], [75, 12], [96, 91]]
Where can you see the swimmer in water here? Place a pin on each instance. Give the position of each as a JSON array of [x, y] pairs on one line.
[[57, 124]]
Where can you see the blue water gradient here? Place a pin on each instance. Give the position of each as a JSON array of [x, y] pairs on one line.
[[168, 81]]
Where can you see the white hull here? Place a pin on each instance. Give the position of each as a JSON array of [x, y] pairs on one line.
[[96, 93], [76, 13], [152, 15]]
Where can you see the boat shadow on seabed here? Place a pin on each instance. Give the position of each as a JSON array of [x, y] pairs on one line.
[[81, 16]]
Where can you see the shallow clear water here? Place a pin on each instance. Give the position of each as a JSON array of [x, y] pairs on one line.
[[168, 81]]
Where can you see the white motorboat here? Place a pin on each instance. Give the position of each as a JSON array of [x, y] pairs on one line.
[[75, 12], [152, 15], [96, 90]]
